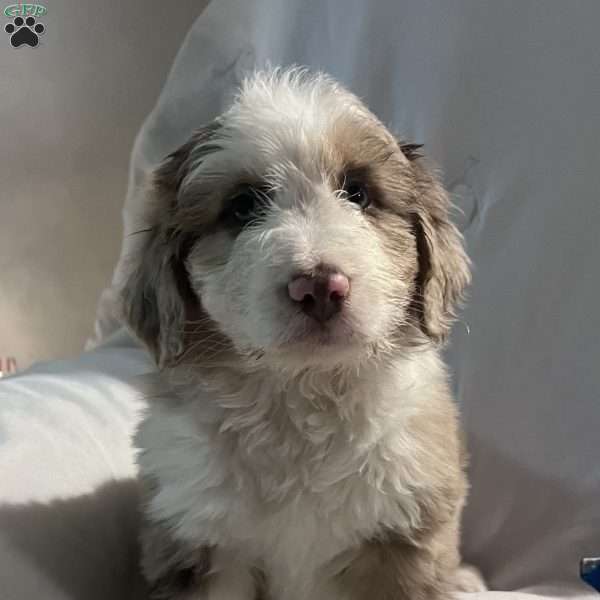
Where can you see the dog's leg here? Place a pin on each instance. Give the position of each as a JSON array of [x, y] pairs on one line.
[[231, 579], [468, 579], [395, 568], [394, 571], [177, 571]]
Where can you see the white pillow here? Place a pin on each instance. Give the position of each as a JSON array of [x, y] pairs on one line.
[[68, 512]]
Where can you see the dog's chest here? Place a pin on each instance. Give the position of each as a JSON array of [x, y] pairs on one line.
[[295, 488], [307, 494], [288, 482]]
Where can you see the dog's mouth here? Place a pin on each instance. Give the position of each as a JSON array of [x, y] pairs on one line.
[[305, 343], [310, 334]]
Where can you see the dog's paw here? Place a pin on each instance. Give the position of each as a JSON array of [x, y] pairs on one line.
[[24, 31], [469, 579]]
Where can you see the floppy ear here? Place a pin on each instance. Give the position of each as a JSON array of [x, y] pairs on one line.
[[157, 298], [444, 268]]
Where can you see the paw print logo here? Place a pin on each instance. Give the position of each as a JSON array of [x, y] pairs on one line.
[[24, 31]]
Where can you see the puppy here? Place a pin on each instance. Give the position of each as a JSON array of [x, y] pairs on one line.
[[296, 282]]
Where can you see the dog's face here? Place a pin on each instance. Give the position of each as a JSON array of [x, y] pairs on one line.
[[297, 229]]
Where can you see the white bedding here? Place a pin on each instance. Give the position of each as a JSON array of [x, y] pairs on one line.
[[68, 511], [68, 515], [505, 97]]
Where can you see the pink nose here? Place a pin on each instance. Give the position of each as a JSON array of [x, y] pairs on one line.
[[320, 295]]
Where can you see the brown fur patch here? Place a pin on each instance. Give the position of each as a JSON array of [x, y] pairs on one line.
[[410, 211], [445, 266], [160, 305]]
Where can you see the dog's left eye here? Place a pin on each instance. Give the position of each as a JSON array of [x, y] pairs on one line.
[[245, 205], [357, 193]]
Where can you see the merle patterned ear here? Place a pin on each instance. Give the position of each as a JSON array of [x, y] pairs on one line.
[[444, 268], [157, 299], [172, 171], [153, 307]]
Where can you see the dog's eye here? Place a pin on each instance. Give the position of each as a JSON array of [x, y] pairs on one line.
[[245, 205], [357, 193]]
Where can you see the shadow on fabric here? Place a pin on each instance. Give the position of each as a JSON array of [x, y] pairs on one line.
[[522, 529], [81, 548]]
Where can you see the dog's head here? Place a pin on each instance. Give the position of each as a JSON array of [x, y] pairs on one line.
[[297, 229]]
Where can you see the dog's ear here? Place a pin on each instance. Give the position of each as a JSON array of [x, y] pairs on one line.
[[444, 268], [157, 299]]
